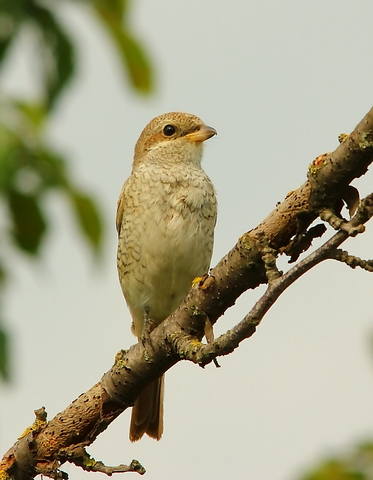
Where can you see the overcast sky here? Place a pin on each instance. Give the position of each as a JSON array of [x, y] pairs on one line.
[[279, 81]]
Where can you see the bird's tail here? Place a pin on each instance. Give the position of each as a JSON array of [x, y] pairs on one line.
[[147, 412]]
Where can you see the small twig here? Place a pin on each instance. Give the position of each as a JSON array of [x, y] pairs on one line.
[[81, 458], [339, 223], [351, 260], [98, 466]]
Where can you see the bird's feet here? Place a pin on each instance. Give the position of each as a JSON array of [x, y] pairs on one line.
[[147, 328]]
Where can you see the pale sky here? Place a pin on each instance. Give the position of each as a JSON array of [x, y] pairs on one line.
[[279, 81]]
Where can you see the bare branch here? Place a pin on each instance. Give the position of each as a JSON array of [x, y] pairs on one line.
[[82, 459], [338, 223], [352, 261]]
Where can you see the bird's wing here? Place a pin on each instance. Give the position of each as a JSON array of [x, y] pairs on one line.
[[120, 210]]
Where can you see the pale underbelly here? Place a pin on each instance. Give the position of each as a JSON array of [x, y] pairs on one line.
[[165, 272]]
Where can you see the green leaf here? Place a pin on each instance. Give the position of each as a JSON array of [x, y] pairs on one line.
[[8, 155], [133, 57], [28, 169], [12, 13], [88, 218], [5, 41], [22, 160], [3, 275], [52, 168], [135, 60], [4, 355], [356, 464], [33, 114], [57, 53], [29, 224], [117, 8], [334, 470]]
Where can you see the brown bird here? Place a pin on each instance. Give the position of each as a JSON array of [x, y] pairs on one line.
[[165, 221]]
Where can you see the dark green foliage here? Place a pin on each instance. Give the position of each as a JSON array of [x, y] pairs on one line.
[[55, 49], [28, 220], [56, 52], [133, 57], [12, 13], [88, 218], [28, 171]]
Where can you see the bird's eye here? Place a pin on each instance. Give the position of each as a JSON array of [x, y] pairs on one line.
[[169, 130]]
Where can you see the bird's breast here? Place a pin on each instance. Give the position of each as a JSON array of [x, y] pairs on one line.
[[166, 237]]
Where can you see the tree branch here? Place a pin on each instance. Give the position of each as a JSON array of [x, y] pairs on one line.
[[203, 354], [43, 450], [353, 261]]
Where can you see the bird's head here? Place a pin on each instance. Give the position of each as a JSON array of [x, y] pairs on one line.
[[173, 137]]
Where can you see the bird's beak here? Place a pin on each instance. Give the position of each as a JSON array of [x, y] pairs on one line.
[[202, 134]]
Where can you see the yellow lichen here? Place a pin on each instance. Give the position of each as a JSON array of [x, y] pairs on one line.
[[342, 137], [197, 281], [4, 475], [35, 427], [366, 140], [318, 163]]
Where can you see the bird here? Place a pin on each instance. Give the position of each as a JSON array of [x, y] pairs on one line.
[[166, 216]]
